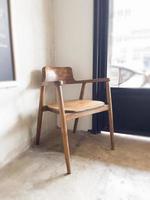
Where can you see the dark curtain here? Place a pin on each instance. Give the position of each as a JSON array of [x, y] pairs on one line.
[[101, 17]]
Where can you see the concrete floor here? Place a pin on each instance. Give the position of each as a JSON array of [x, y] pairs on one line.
[[98, 172]]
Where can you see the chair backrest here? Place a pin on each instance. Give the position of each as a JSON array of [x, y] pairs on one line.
[[57, 74]]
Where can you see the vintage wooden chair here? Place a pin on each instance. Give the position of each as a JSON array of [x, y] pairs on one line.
[[72, 109]]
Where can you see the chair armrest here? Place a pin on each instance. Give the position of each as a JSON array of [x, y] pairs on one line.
[[88, 81], [100, 80]]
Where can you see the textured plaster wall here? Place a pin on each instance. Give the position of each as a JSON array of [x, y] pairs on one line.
[[45, 32], [73, 22], [32, 29]]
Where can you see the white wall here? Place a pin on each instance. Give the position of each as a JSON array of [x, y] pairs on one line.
[[73, 22], [45, 32], [32, 38]]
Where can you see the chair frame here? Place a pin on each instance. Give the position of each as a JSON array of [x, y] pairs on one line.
[[67, 78]]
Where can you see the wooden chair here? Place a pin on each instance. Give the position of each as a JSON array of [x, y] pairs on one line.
[[72, 109]]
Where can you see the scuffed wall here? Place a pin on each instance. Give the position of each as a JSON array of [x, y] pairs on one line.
[[33, 48], [45, 32]]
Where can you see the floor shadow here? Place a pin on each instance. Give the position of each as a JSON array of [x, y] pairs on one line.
[[47, 182], [129, 152]]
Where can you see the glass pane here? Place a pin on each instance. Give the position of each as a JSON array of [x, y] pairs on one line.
[[129, 44]]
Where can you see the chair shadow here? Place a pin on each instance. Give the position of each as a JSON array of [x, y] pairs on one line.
[[47, 182], [35, 80]]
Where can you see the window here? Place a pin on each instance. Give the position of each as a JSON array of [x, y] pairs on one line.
[[6, 55], [129, 47]]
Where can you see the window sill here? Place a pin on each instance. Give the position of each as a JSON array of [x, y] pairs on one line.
[[8, 84]]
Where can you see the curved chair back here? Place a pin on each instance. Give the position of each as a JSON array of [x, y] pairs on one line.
[[57, 74]]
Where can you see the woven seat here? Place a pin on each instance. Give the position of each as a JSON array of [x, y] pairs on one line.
[[76, 105]]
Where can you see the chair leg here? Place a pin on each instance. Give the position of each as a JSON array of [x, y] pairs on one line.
[[75, 125], [39, 124], [111, 128], [80, 97], [65, 143], [64, 127]]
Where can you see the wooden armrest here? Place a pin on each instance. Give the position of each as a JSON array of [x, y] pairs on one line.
[[45, 83], [88, 81]]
